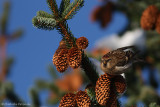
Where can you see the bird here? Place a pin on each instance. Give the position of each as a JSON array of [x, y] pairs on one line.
[[119, 61]]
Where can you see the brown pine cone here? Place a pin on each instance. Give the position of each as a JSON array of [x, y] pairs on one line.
[[120, 83], [113, 99], [158, 24], [103, 14], [62, 45], [149, 17], [103, 89], [74, 57], [68, 100], [61, 61], [82, 43], [95, 13], [83, 99]]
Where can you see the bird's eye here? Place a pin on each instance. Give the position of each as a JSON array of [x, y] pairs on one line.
[[105, 62]]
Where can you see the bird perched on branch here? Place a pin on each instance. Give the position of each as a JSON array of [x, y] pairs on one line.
[[118, 61]]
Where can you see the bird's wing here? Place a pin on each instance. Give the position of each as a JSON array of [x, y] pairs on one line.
[[122, 69]]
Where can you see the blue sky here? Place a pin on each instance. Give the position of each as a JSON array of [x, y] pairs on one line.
[[33, 52]]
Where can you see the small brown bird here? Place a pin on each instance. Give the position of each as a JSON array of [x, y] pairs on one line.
[[118, 61]]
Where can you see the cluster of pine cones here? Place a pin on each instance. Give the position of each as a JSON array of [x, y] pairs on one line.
[[150, 18], [107, 88], [80, 99], [64, 57]]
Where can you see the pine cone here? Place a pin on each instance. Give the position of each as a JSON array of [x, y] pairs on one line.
[[113, 99], [120, 83], [82, 43], [103, 14], [148, 18], [61, 61], [74, 57], [158, 24], [95, 13], [83, 99], [103, 89], [62, 45], [68, 100]]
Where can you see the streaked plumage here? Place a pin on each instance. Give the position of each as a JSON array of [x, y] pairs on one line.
[[118, 61]]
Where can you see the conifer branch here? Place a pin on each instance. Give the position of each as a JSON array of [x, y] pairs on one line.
[[41, 84], [91, 93], [86, 64], [15, 99], [64, 4], [69, 10], [53, 6], [72, 9], [53, 72], [3, 58], [7, 63], [17, 34], [66, 33], [8, 91], [44, 23], [35, 98], [44, 14], [89, 69], [4, 18]]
